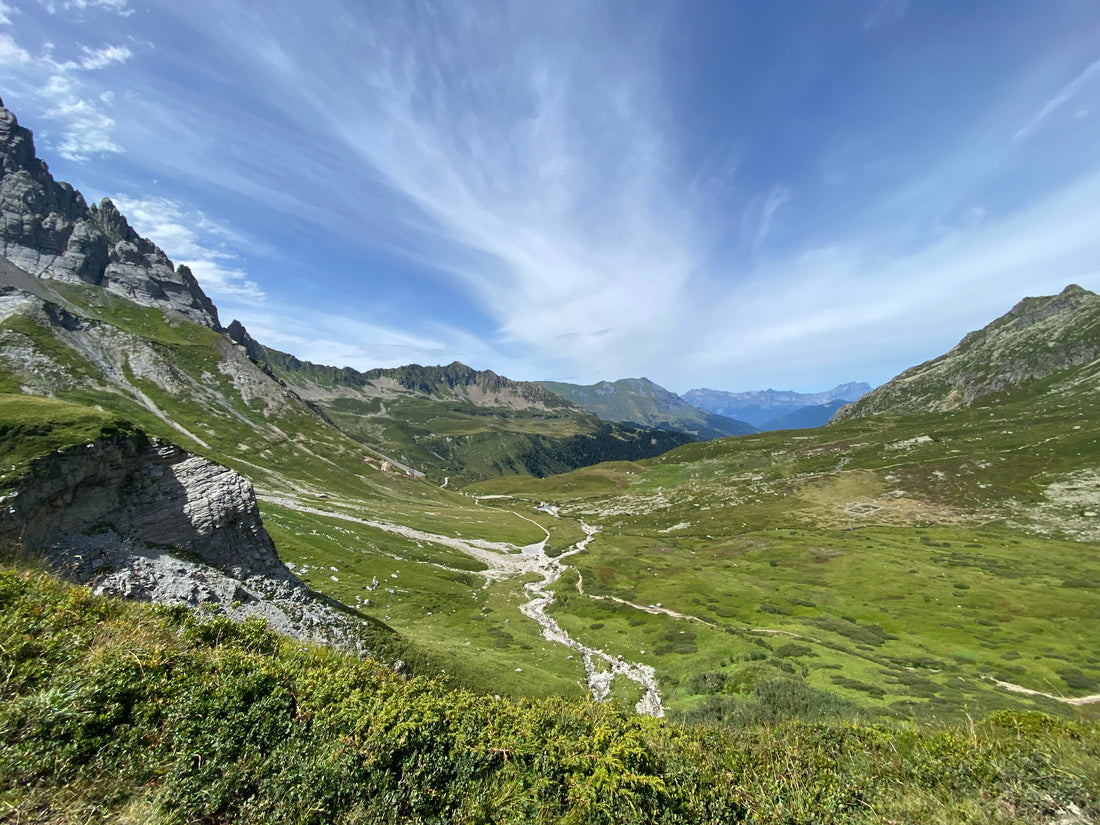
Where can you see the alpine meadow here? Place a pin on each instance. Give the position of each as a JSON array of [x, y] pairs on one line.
[[241, 585]]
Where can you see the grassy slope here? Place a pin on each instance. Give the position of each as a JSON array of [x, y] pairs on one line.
[[467, 442], [894, 576], [293, 456], [1037, 337], [426, 418], [31, 426], [122, 713]]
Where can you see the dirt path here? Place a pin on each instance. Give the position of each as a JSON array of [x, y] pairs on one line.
[[501, 558], [655, 609], [1078, 701]]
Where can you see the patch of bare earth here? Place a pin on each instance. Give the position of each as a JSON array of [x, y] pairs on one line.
[[1071, 509]]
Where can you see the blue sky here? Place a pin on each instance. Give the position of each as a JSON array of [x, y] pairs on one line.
[[725, 194]]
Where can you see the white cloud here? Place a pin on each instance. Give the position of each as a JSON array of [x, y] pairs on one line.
[[11, 53], [1064, 95], [120, 7], [6, 12], [100, 58], [69, 98], [87, 130], [777, 197], [885, 11], [192, 239]]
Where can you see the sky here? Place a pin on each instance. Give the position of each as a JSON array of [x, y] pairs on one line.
[[732, 194]]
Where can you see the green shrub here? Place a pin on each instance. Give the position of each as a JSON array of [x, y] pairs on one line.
[[116, 712]]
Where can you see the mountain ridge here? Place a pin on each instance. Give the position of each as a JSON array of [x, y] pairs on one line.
[[50, 231], [758, 407], [643, 402], [457, 422], [1036, 339]]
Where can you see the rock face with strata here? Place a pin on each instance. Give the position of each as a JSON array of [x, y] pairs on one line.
[[47, 229], [1035, 340], [150, 521]]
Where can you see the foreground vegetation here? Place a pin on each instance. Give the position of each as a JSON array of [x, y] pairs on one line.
[[122, 712]]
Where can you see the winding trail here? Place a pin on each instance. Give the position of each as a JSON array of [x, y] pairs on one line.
[[504, 560], [1078, 701], [655, 609]]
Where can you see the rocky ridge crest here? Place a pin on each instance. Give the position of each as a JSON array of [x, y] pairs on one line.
[[48, 230], [641, 402], [1036, 339], [453, 382]]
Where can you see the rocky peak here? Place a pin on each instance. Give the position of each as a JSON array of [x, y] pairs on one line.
[[112, 221], [17, 146], [457, 380], [48, 229], [1037, 338], [237, 333]]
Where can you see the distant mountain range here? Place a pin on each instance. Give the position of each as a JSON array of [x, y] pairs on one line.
[[806, 418], [766, 409], [639, 401]]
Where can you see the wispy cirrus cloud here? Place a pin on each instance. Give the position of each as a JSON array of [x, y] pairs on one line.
[[66, 88], [192, 239], [92, 59], [551, 197], [1091, 75], [761, 213], [119, 7]]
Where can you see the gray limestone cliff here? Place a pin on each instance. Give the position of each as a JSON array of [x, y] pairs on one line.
[[149, 521], [47, 229]]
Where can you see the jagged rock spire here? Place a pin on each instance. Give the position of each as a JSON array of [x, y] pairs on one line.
[[48, 229]]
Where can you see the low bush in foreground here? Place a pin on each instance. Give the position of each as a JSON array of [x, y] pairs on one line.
[[126, 713]]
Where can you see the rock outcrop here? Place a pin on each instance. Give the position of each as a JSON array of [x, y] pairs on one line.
[[47, 229], [147, 520], [1036, 339]]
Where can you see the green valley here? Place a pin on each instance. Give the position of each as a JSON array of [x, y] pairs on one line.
[[893, 617]]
